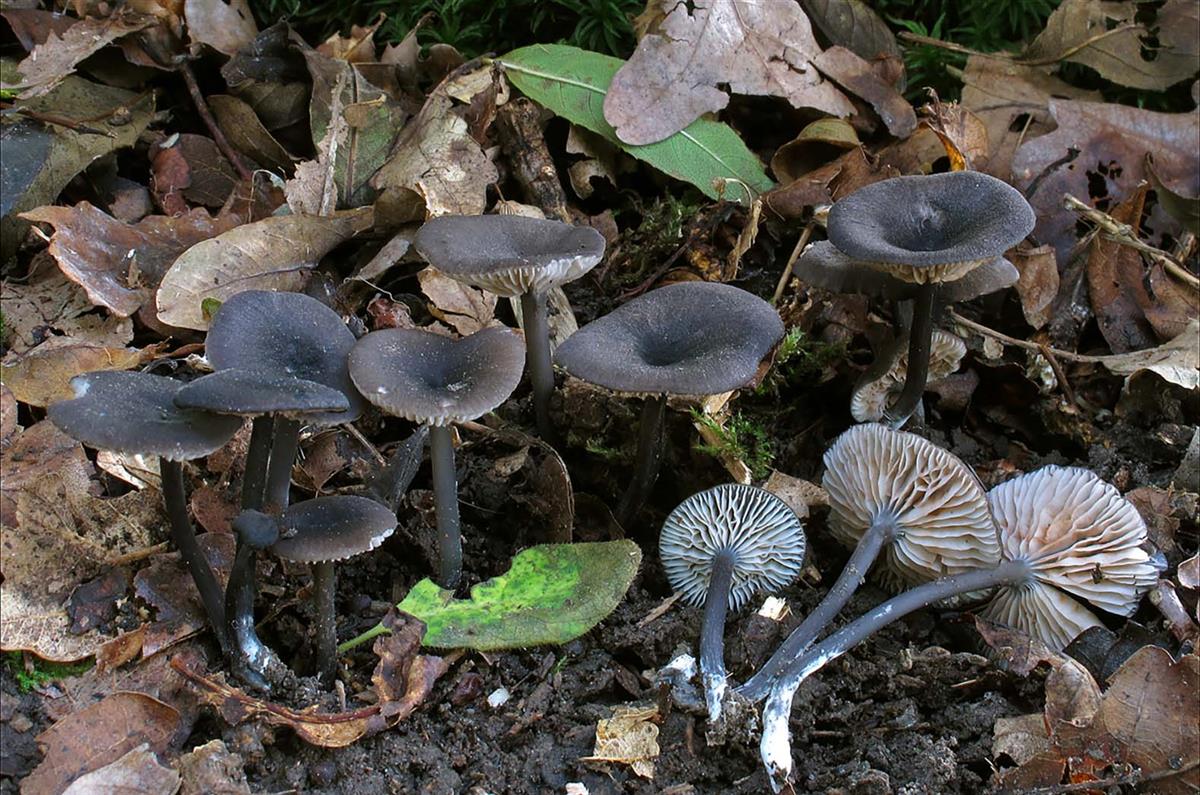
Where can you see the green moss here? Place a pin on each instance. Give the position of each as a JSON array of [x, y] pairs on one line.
[[41, 672], [799, 358], [740, 437]]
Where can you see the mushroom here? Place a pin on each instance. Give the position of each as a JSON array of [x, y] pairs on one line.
[[250, 656], [135, 413], [434, 380], [323, 531], [924, 232], [885, 378], [513, 256], [721, 546], [896, 494], [1060, 529], [690, 338]]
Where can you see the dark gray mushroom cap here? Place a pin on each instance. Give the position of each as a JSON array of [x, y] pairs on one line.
[[761, 531], [248, 393], [288, 334], [256, 529], [993, 275], [923, 222], [332, 528], [135, 413], [509, 255], [691, 338], [436, 380]]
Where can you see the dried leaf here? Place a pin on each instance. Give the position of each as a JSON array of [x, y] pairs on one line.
[[1114, 274], [855, 75], [1177, 361], [1189, 573], [1108, 37], [854, 25], [226, 27], [211, 769], [136, 773], [275, 253], [94, 603], [758, 48], [43, 376], [1020, 738], [57, 57], [817, 144], [1105, 143], [630, 737], [436, 166], [51, 312], [119, 264], [99, 735], [962, 133], [467, 309], [247, 134], [800, 495], [207, 177], [403, 678], [1037, 286]]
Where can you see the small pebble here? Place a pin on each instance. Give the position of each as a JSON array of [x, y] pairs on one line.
[[498, 698]]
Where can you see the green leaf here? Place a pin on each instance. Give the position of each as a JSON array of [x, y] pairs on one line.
[[552, 594], [573, 82]]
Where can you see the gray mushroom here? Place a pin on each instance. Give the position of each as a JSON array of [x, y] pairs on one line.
[[436, 381], [691, 338], [322, 532], [721, 546], [135, 413], [515, 257], [921, 235]]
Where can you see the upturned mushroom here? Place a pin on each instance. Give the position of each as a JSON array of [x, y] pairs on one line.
[[721, 546], [436, 381], [884, 380], [897, 495], [1061, 530], [135, 413], [515, 257], [690, 338], [322, 532], [921, 235]]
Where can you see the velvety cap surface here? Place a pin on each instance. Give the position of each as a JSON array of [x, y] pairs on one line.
[[250, 393], [509, 254], [762, 532], [332, 528], [428, 378], [945, 527], [824, 266], [991, 276], [135, 413], [691, 338], [290, 335], [929, 220]]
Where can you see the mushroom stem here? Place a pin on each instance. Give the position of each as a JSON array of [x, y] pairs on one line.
[[283, 455], [255, 478], [712, 632], [239, 607], [775, 746], [184, 536], [879, 534], [445, 495], [646, 468], [537, 356], [324, 586], [920, 342]]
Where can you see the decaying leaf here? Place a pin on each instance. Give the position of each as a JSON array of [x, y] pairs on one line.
[[50, 312], [629, 737], [1037, 286], [403, 678], [1103, 143], [1114, 274], [56, 58], [1177, 361], [436, 166], [275, 253], [801, 495], [211, 769], [853, 73], [136, 773], [165, 586], [854, 25], [225, 26], [201, 173], [1022, 738], [1110, 38], [467, 309], [760, 48], [98, 735], [43, 376], [247, 134]]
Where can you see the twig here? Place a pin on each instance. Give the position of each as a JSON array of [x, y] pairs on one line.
[[1088, 42], [189, 78], [1029, 346], [1049, 356], [917, 38], [1125, 235], [58, 121], [1179, 622], [137, 554], [791, 263], [1136, 777]]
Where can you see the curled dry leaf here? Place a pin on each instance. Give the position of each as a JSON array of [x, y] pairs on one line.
[[119, 264], [1177, 361], [854, 74], [759, 48], [51, 312], [98, 735], [211, 769], [225, 26], [854, 25], [43, 375], [136, 773], [275, 253], [404, 678], [800, 495], [1037, 286], [1189, 573], [56, 58], [630, 737], [467, 309], [817, 144], [193, 168], [247, 134]]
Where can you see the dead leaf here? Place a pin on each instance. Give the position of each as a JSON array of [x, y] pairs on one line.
[[1038, 285], [225, 26], [358, 47], [124, 648], [673, 77], [56, 58], [1104, 143], [855, 75], [436, 166], [247, 134], [854, 25], [200, 172], [8, 419], [630, 737], [138, 471], [99, 735], [211, 769], [1177, 361], [468, 309], [275, 253], [165, 586], [136, 773], [50, 312], [403, 677], [43, 375], [800, 495], [94, 603], [817, 144], [1020, 738], [1189, 573], [32, 26], [119, 264], [1109, 37], [33, 454], [963, 135], [1114, 274]]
